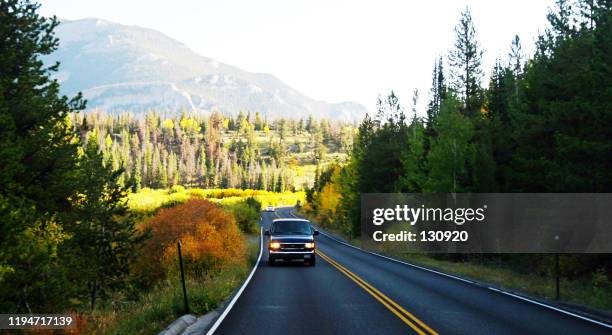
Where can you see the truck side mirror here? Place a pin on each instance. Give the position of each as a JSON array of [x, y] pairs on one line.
[[315, 233], [267, 232]]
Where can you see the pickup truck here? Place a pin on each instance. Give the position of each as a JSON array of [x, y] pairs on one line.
[[291, 239]]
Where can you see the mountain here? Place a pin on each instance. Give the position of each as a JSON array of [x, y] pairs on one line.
[[128, 68]]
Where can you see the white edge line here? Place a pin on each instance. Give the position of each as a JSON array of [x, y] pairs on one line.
[[471, 282], [235, 298], [553, 308]]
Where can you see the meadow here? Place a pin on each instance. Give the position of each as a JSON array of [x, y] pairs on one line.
[[147, 200]]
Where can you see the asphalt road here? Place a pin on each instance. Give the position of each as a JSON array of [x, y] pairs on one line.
[[353, 292]]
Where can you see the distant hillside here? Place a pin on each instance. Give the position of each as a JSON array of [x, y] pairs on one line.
[[121, 68]]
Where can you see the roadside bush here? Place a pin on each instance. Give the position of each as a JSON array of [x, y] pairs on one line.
[[197, 193], [209, 235], [147, 201], [176, 189], [247, 214]]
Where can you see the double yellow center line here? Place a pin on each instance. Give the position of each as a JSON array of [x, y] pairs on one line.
[[412, 321]]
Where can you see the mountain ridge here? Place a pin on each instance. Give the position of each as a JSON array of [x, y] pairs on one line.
[[131, 68]]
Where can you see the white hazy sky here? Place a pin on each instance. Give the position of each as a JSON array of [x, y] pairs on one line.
[[331, 50]]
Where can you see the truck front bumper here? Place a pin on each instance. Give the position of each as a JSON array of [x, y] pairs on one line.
[[306, 255]]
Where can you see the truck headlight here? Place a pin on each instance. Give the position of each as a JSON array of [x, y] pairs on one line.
[[274, 245], [309, 245]]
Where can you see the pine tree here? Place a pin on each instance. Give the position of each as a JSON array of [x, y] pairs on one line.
[[55, 194], [449, 158], [497, 101], [515, 57], [465, 61], [381, 166], [437, 93], [437, 96], [102, 248], [137, 176], [240, 121], [564, 105], [260, 184], [280, 183], [203, 170], [173, 172], [213, 136], [38, 154], [316, 176], [155, 170], [258, 122], [413, 157], [560, 22], [310, 124], [351, 180]]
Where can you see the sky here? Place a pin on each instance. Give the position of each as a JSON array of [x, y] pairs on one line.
[[332, 50]]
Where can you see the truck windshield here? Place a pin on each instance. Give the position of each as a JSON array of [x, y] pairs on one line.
[[291, 227]]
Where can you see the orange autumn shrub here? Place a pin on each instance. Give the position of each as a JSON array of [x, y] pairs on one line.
[[209, 236]]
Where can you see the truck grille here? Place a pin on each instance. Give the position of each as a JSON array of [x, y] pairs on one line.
[[292, 246]]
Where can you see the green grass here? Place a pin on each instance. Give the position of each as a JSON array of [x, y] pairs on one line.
[[157, 308]]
